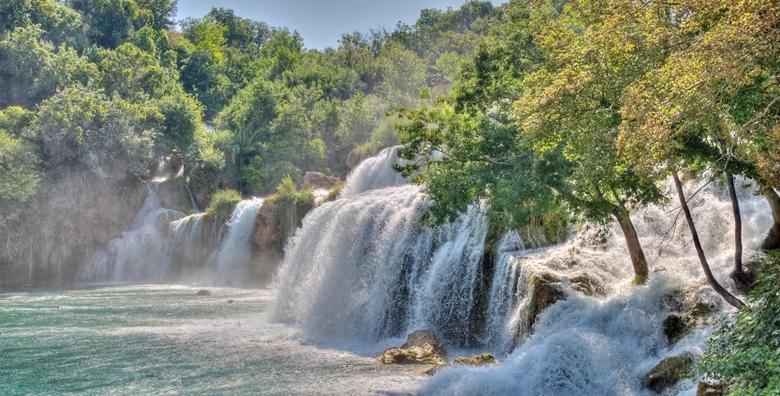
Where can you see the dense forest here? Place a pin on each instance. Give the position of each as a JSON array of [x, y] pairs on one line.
[[554, 113]]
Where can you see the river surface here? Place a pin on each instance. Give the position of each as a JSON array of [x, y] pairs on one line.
[[159, 339]]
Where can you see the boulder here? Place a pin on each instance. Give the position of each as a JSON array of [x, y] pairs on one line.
[[475, 360], [425, 354], [676, 327], [317, 180], [203, 292], [420, 338], [545, 291], [421, 347], [669, 371]]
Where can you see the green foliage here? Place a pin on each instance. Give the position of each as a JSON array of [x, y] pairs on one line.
[[32, 69], [82, 127], [746, 352], [222, 204], [19, 175], [287, 191]]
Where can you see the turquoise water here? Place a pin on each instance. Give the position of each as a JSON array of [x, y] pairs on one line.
[[164, 339]]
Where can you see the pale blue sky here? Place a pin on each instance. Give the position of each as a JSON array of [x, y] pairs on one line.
[[321, 22]]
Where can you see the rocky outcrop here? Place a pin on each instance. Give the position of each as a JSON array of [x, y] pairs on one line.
[[545, 290], [669, 371], [173, 195], [421, 347], [276, 221], [475, 360], [203, 292], [317, 180]]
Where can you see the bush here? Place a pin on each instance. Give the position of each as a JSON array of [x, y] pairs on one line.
[[222, 204], [287, 191], [746, 353]]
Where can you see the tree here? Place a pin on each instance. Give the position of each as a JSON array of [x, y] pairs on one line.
[[714, 101]]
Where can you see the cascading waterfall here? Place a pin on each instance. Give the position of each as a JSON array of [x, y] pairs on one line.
[[139, 254], [374, 173], [363, 267], [234, 256]]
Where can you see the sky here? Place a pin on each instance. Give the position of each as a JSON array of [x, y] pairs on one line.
[[321, 22]]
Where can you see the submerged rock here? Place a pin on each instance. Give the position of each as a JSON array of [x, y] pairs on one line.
[[669, 371], [676, 327], [475, 360], [421, 347], [203, 292]]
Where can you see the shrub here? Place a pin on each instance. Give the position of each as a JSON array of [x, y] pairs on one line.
[[746, 353], [222, 204]]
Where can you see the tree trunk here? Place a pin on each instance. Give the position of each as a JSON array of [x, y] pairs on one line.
[[772, 240], [743, 281], [700, 251], [638, 259]]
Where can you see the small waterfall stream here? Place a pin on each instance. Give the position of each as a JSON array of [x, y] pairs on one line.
[[235, 253]]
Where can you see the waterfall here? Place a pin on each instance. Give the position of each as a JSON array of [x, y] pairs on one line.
[[363, 267], [234, 257], [375, 172], [140, 253]]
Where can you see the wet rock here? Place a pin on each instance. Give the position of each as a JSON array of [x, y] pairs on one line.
[[231, 301], [669, 371], [203, 292], [676, 327], [421, 347], [425, 354], [421, 337], [545, 291], [587, 285], [710, 389], [475, 360], [315, 180]]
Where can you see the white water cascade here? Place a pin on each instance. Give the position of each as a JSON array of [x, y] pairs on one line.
[[234, 257], [363, 267], [139, 254]]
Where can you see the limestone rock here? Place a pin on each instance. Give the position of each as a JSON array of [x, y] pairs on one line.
[[425, 354], [475, 360], [668, 372], [422, 337], [315, 180], [421, 347]]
